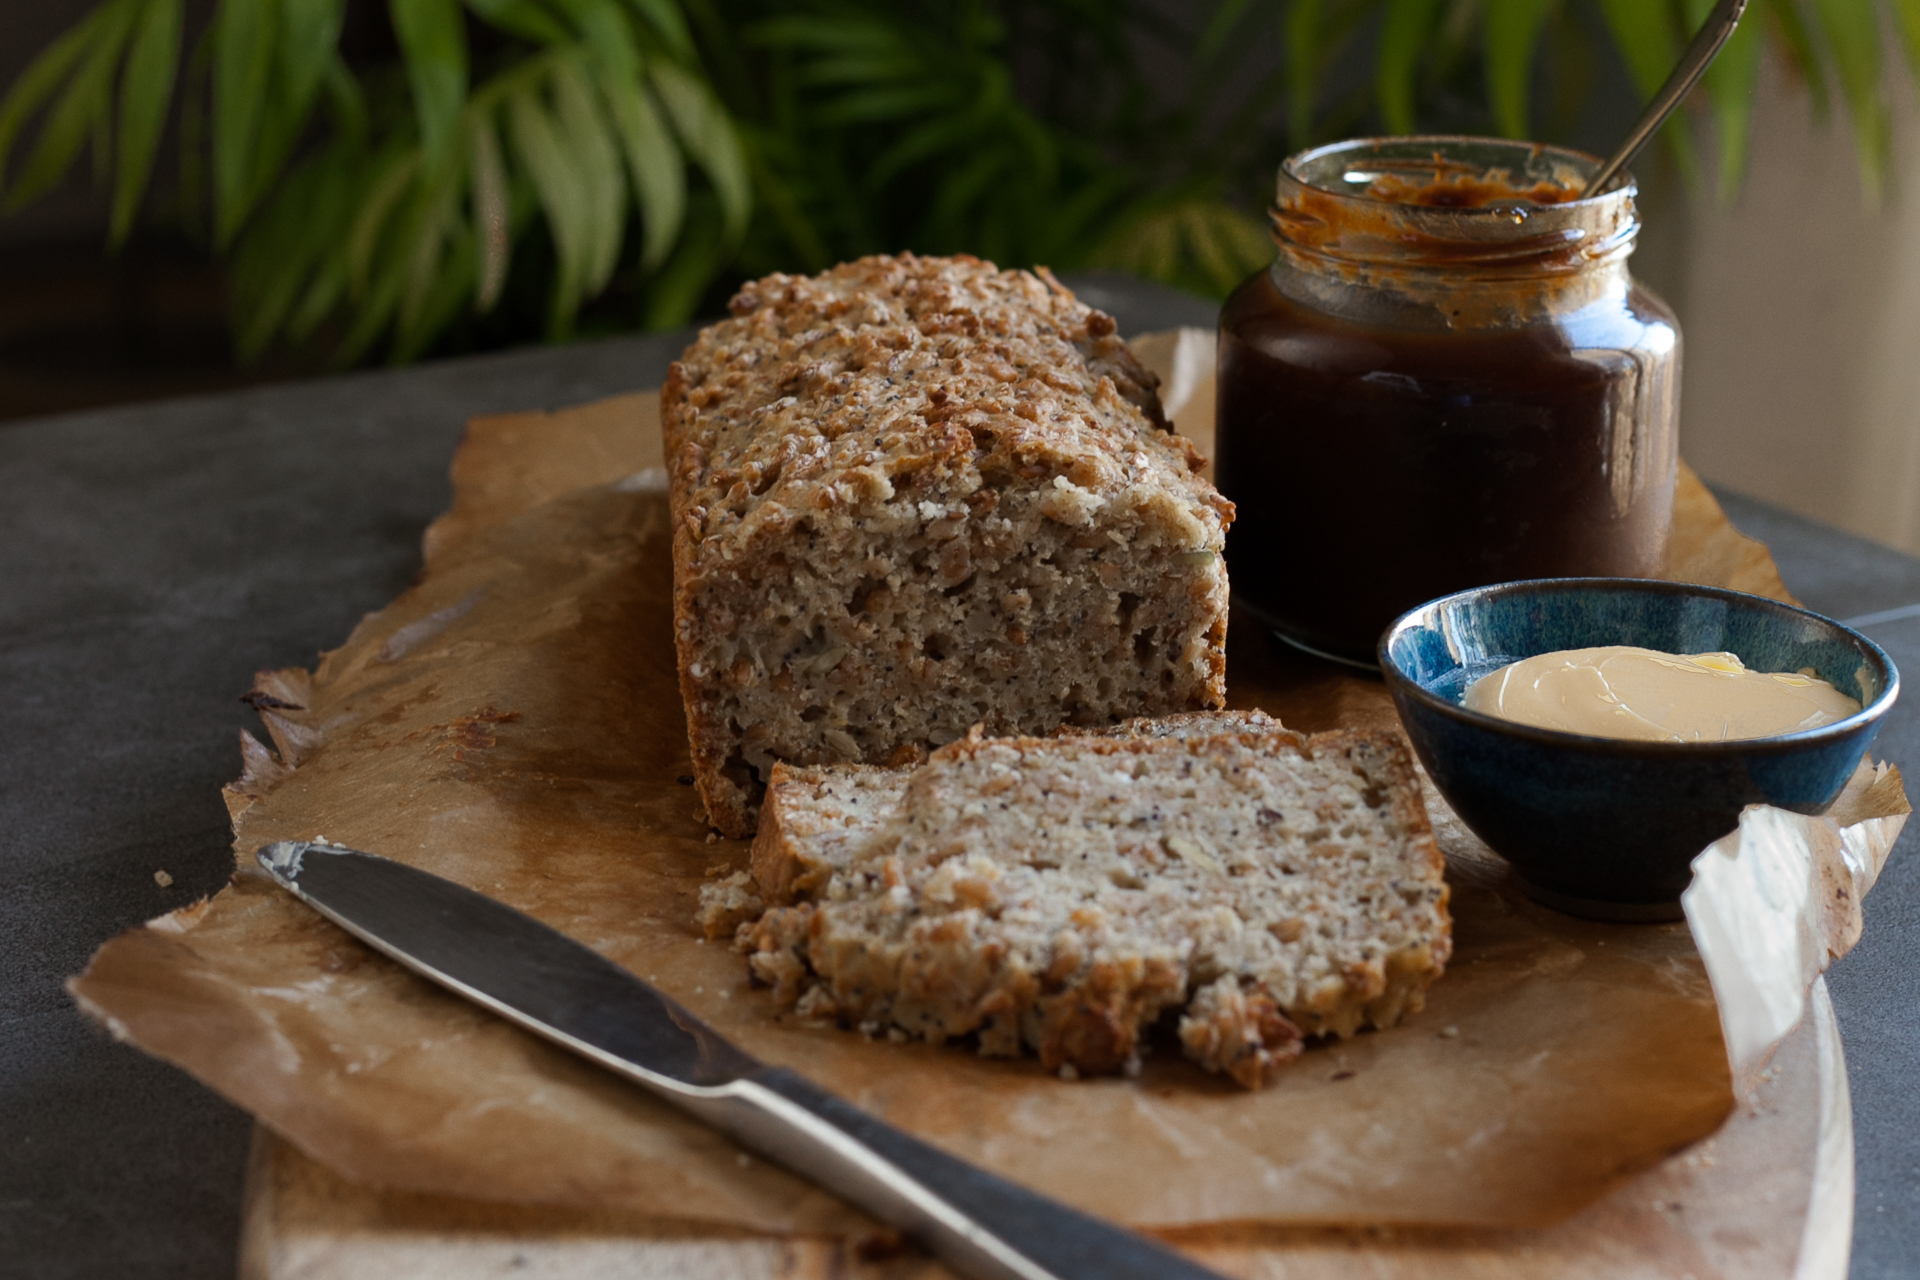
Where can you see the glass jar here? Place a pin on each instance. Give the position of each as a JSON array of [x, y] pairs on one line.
[[1446, 379]]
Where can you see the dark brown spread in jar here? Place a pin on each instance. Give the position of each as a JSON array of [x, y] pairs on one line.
[[1417, 399], [1469, 190]]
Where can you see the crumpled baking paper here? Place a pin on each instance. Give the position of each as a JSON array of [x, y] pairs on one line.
[[513, 723], [1773, 903]]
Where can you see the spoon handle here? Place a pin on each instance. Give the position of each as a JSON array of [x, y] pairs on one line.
[[1707, 42]]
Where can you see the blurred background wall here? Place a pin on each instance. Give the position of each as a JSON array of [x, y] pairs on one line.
[[1801, 315]]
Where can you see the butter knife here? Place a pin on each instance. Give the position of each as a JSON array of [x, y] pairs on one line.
[[511, 964]]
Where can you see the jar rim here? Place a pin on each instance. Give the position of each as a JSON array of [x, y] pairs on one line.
[[1323, 206], [1534, 160]]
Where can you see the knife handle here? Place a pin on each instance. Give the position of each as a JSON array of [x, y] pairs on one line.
[[981, 1225]]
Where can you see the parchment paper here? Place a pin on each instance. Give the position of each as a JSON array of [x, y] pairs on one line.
[[513, 722]]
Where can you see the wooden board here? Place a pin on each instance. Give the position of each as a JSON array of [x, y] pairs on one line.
[[1770, 1195]]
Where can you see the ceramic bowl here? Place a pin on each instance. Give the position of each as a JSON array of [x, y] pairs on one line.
[[1599, 826]]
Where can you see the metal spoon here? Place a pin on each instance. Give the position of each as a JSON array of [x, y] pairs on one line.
[[1707, 42]]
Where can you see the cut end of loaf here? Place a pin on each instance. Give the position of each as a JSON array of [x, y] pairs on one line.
[[914, 495]]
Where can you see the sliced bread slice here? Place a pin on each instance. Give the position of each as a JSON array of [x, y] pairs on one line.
[[814, 815], [1062, 894]]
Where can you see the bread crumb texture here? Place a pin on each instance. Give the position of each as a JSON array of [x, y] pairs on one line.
[[912, 495], [1251, 887]]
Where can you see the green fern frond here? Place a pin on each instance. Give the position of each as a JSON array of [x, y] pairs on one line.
[[1199, 242]]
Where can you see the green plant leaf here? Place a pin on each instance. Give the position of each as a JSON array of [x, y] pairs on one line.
[[412, 231], [78, 114], [308, 45], [453, 281], [433, 224], [664, 19], [393, 173], [849, 34], [1190, 238], [100, 134], [194, 86], [1147, 243], [1791, 27], [1906, 16], [1644, 33], [433, 39], [244, 36], [1404, 28], [345, 189], [306, 39], [371, 318], [46, 72], [322, 298], [608, 37], [1512, 34], [653, 163], [523, 18], [346, 102], [1224, 243], [675, 292], [146, 89], [492, 212], [596, 165], [709, 138], [537, 144], [1730, 84], [862, 67], [296, 234], [340, 172], [888, 105], [1852, 29]]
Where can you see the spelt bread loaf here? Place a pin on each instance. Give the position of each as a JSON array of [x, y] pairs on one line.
[[912, 495], [1063, 894]]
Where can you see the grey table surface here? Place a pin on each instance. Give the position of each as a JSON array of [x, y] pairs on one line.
[[153, 558]]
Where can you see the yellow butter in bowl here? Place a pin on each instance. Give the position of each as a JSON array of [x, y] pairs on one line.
[[1617, 691]]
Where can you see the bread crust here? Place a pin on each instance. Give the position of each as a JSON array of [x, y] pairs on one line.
[[813, 813]]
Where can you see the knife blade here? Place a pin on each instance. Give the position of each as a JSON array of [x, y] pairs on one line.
[[981, 1225]]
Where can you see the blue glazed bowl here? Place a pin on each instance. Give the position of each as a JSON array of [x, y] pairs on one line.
[[1600, 826]]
